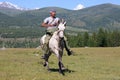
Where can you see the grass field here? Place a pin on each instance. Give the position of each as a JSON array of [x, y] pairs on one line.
[[85, 64]]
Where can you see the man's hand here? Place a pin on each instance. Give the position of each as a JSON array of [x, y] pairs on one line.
[[46, 25], [49, 25]]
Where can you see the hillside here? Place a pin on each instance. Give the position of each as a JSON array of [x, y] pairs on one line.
[[10, 12], [5, 20], [88, 19], [105, 15]]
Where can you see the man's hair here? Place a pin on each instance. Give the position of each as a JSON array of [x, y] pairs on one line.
[[52, 10]]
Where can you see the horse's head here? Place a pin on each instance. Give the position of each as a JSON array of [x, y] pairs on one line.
[[61, 25], [61, 28]]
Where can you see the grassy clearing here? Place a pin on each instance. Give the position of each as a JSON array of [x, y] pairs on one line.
[[86, 64]]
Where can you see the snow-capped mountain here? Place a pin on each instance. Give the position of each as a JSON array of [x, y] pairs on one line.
[[10, 6]]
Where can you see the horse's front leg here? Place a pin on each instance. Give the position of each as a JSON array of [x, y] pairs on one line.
[[59, 56], [60, 68]]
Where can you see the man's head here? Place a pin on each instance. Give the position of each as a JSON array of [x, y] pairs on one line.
[[52, 13]]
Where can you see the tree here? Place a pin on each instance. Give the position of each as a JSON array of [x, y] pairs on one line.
[[86, 38], [101, 38], [115, 38]]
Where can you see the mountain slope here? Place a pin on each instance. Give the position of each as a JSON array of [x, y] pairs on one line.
[[35, 17], [10, 12], [105, 15], [5, 20], [88, 19]]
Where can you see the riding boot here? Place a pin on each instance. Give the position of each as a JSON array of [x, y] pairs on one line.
[[69, 52]]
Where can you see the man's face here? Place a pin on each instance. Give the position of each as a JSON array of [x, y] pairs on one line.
[[53, 14]]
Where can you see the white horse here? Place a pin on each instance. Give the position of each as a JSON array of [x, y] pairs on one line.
[[56, 46]]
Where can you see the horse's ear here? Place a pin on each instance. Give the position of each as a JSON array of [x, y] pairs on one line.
[[64, 23], [62, 20]]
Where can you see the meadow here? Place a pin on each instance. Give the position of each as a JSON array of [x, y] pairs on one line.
[[86, 64]]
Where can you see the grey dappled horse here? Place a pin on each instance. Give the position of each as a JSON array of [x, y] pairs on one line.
[[56, 45]]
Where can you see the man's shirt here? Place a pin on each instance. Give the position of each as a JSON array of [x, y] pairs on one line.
[[51, 21]]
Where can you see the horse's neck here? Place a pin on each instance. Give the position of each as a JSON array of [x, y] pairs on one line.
[[55, 35]]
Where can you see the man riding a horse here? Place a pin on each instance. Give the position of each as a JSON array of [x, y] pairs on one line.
[[51, 23]]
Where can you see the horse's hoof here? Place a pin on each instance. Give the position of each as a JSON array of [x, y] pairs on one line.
[[49, 70], [44, 64], [69, 52], [63, 68], [61, 72]]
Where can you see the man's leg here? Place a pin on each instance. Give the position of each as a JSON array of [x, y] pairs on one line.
[[45, 47]]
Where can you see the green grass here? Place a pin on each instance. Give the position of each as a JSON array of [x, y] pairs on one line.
[[85, 64]]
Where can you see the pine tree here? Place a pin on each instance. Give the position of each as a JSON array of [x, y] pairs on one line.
[[86, 38], [101, 38]]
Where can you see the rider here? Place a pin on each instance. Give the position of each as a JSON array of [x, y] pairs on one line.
[[51, 24]]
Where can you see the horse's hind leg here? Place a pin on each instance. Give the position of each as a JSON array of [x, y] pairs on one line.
[[46, 60]]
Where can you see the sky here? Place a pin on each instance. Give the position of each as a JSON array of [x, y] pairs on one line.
[[67, 4]]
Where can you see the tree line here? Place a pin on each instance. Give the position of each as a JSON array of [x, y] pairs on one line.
[[102, 38]]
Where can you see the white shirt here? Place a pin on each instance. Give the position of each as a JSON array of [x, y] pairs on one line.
[[51, 21]]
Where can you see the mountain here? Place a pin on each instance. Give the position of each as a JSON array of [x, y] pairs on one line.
[[10, 6], [104, 15], [10, 9], [88, 19]]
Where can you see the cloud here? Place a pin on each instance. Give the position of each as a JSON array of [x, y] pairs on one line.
[[37, 8], [79, 6]]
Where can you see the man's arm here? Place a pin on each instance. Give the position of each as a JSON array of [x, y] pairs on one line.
[[46, 25]]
